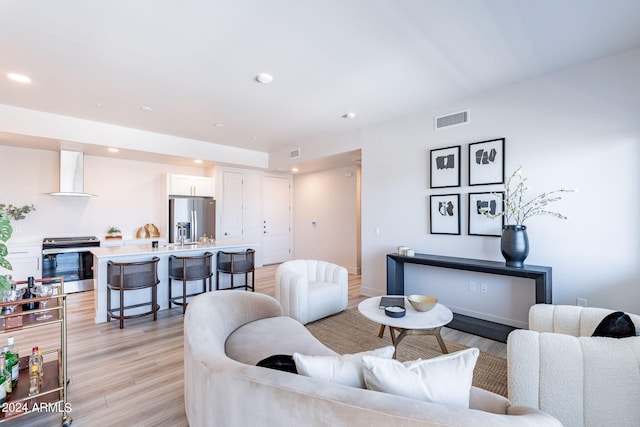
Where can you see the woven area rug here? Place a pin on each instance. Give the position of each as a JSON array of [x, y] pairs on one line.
[[351, 332]]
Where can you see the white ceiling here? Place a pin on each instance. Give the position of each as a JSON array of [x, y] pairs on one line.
[[194, 62]]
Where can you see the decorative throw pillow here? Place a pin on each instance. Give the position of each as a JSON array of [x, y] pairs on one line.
[[280, 362], [615, 325], [444, 379], [345, 369]]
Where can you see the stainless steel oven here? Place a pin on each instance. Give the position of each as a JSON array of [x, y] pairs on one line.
[[69, 257]]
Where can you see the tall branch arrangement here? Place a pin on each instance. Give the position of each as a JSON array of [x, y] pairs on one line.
[[516, 209]]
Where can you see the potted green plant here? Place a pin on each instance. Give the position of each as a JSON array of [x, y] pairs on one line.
[[7, 213], [5, 234], [113, 233]]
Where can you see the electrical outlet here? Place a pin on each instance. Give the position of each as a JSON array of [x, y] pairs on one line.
[[483, 288], [582, 302], [473, 286]]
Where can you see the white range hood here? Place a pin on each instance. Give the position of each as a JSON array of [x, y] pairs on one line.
[[72, 174]]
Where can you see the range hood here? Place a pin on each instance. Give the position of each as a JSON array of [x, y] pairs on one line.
[[72, 174]]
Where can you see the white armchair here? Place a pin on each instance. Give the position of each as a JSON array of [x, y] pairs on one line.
[[557, 367], [309, 290]]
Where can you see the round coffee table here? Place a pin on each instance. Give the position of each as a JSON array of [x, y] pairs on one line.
[[413, 323]]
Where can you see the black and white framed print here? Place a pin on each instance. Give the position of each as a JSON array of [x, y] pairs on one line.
[[445, 214], [445, 167], [479, 223], [486, 162]]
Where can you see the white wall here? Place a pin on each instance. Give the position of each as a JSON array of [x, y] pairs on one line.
[[129, 193], [576, 128], [328, 198]]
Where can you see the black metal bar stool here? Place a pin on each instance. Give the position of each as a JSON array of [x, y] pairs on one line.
[[132, 276], [187, 269], [233, 263]]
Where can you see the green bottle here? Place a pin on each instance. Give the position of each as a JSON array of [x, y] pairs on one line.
[[5, 381], [13, 359]]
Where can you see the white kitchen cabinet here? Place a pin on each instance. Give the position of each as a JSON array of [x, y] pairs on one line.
[[25, 260], [187, 185]]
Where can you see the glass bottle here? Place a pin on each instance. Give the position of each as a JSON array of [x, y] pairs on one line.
[[5, 381], [12, 359], [35, 364], [28, 294]]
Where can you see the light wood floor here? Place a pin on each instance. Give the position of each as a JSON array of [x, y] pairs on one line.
[[134, 376]]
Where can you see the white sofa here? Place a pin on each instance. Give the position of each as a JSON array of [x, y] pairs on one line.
[[309, 290], [558, 367], [223, 391]]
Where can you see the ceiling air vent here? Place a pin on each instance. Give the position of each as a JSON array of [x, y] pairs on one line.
[[294, 154], [455, 119]]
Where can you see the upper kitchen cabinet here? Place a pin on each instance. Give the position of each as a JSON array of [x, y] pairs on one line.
[[187, 185]]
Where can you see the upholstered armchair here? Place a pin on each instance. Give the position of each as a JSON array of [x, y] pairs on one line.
[[309, 290], [558, 367]]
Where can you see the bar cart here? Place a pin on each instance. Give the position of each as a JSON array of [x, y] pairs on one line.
[[52, 396]]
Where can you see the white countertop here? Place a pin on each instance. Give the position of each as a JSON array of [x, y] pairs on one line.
[[115, 251]]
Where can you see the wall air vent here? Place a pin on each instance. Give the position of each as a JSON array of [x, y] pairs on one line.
[[455, 119], [294, 154]]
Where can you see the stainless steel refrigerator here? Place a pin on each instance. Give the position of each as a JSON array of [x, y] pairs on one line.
[[193, 216]]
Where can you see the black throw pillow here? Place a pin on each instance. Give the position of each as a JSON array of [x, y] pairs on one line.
[[280, 362], [615, 325]]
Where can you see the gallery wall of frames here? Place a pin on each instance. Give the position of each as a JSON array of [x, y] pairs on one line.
[[485, 167]]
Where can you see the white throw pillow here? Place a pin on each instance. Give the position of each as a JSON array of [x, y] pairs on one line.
[[345, 369], [444, 379]]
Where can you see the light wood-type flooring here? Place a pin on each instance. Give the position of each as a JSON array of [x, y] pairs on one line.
[[134, 376]]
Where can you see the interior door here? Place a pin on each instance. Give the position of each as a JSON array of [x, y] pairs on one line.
[[231, 206], [276, 211]]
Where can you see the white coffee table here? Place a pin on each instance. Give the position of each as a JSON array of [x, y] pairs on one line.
[[413, 323]]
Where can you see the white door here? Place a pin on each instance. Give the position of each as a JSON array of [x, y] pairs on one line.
[[231, 206], [276, 214]]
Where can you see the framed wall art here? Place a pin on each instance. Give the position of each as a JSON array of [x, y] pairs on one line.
[[479, 223], [486, 162], [444, 214], [445, 167]]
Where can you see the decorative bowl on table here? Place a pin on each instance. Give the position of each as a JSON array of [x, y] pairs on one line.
[[422, 302]]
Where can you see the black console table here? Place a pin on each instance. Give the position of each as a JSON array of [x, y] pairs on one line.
[[484, 328]]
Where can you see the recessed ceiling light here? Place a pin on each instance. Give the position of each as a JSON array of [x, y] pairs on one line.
[[294, 169], [98, 103], [350, 115], [19, 78], [112, 150], [264, 78], [219, 125], [197, 161], [146, 108]]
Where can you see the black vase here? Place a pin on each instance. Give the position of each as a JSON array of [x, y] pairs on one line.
[[514, 245]]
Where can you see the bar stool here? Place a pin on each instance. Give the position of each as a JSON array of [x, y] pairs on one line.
[[187, 269], [132, 276], [233, 263]]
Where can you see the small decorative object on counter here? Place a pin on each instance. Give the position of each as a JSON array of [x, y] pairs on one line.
[[113, 233], [152, 230], [29, 295], [142, 233]]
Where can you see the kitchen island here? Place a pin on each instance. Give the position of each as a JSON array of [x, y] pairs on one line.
[[102, 255]]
